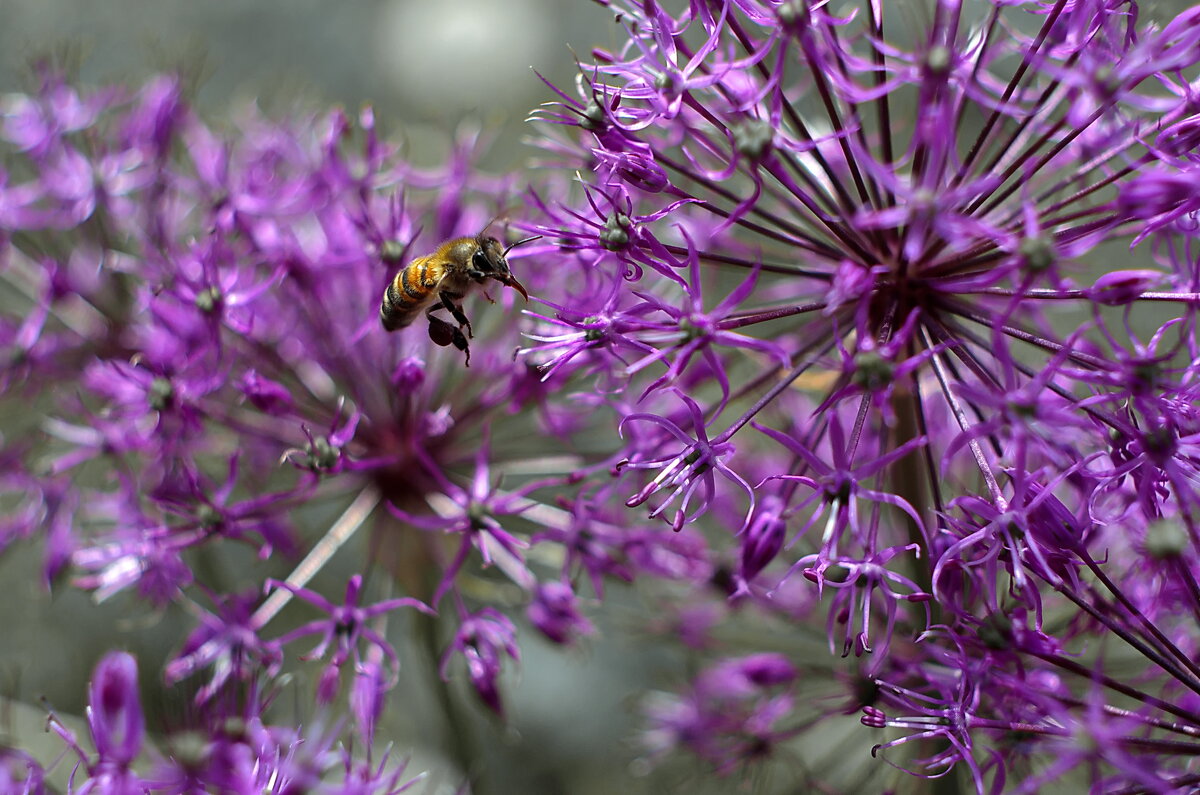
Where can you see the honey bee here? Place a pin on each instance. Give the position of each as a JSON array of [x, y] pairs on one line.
[[441, 280]]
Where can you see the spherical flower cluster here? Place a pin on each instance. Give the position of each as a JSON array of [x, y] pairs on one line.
[[908, 308], [196, 316]]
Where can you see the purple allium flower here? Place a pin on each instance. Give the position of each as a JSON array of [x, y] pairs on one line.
[[367, 699], [114, 711], [921, 264], [20, 774], [346, 625], [194, 312], [117, 727], [730, 715], [226, 644], [482, 641], [555, 613], [474, 515]]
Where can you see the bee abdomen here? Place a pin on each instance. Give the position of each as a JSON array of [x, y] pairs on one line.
[[405, 295]]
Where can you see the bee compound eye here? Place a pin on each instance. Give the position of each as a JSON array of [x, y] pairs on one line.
[[480, 261]]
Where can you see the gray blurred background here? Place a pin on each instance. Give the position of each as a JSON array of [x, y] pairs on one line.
[[423, 64]]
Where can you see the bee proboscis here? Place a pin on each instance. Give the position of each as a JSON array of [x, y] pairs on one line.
[[441, 280]]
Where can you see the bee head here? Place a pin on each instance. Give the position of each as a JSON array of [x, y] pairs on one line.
[[489, 260]]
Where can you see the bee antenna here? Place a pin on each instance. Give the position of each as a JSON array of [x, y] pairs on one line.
[[521, 243], [488, 225]]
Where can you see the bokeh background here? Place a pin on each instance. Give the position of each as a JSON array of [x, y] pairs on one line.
[[426, 66], [429, 68]]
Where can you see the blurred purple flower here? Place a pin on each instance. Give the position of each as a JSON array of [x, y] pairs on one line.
[[346, 625], [554, 611], [117, 727], [482, 641], [731, 713]]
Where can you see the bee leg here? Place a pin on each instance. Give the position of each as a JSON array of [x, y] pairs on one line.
[[443, 334], [456, 312]]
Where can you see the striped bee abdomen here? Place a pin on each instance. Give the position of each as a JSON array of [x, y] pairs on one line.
[[413, 288]]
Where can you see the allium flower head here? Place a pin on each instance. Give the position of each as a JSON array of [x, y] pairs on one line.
[[898, 275], [199, 310]]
